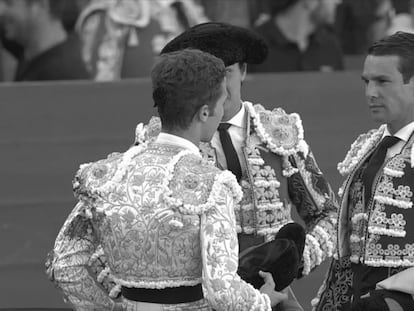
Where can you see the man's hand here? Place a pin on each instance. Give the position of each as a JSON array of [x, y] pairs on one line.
[[268, 288]]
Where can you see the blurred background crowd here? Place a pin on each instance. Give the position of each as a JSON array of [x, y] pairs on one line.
[[107, 40]]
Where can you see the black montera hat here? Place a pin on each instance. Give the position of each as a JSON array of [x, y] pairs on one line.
[[281, 257], [230, 43]]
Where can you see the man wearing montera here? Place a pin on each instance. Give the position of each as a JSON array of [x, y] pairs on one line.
[[265, 149]]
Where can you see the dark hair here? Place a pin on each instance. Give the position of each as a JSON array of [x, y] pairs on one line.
[[184, 81], [400, 44]]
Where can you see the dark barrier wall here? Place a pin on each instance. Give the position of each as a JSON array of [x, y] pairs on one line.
[[48, 130]]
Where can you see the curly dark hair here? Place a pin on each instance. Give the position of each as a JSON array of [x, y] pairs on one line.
[[400, 44], [184, 81]]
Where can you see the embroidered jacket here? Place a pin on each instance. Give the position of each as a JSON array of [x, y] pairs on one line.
[[163, 217], [379, 233], [281, 173], [383, 231]]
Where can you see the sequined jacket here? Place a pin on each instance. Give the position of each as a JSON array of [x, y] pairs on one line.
[[163, 217], [281, 173], [381, 231]]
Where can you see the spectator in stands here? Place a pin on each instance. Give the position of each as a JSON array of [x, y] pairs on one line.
[[242, 13], [299, 37], [122, 38], [359, 23], [47, 52], [403, 21], [71, 12]]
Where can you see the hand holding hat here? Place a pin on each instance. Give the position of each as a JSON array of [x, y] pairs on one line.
[[281, 257], [268, 288]]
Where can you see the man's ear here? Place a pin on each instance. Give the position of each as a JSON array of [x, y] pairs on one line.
[[243, 70], [203, 113]]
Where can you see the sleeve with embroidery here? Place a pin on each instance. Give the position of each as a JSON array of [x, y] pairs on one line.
[[317, 205], [67, 264], [224, 288]]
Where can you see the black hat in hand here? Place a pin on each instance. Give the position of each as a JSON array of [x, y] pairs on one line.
[[281, 257]]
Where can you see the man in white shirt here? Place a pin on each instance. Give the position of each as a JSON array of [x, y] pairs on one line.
[[374, 266], [163, 216], [266, 151]]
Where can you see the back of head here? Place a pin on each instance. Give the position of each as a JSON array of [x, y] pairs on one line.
[[400, 44], [184, 81]]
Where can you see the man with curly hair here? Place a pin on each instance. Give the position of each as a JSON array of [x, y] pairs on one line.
[[265, 150], [163, 216]]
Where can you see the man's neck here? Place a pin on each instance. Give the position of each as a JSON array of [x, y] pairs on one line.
[[396, 126], [230, 114], [189, 135], [296, 26], [45, 37]]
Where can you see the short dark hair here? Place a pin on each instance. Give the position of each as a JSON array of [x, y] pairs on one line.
[[184, 81], [400, 44]]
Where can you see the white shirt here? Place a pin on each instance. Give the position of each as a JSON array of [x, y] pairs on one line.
[[403, 134], [170, 139], [237, 132]]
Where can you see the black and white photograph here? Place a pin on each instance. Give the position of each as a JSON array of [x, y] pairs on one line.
[[206, 155]]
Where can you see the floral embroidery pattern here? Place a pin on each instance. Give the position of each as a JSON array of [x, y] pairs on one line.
[[392, 256], [380, 235], [261, 207], [281, 133], [261, 210], [334, 294], [395, 167], [363, 144], [358, 217], [159, 190]]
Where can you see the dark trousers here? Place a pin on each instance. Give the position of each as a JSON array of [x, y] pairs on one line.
[[365, 279]]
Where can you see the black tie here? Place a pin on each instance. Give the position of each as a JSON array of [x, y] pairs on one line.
[[230, 153], [377, 159]]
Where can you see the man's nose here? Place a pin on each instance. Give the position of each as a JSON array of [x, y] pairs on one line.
[[371, 89]]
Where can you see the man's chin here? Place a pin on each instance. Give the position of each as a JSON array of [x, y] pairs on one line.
[[377, 117]]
